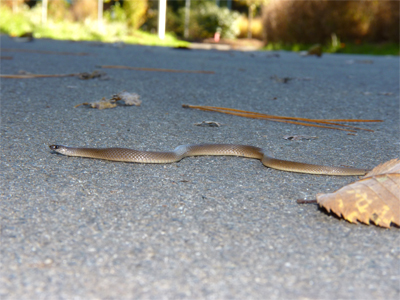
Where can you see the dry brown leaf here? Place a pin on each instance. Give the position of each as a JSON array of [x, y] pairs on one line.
[[376, 197], [313, 50], [128, 98], [281, 79], [94, 74], [102, 104]]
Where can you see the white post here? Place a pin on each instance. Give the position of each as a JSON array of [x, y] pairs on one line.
[[187, 18], [162, 12], [100, 14], [44, 11]]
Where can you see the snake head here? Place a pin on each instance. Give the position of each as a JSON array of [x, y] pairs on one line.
[[58, 148]]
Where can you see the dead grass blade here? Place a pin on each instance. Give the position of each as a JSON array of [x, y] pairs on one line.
[[83, 75], [27, 76]]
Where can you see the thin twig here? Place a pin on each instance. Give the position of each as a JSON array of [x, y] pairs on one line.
[[303, 201]]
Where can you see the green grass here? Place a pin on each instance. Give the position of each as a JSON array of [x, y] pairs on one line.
[[349, 48], [373, 49], [27, 20]]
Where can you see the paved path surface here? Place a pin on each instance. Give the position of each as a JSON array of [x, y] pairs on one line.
[[206, 227]]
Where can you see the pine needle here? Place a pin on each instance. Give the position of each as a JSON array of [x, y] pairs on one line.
[[291, 120]]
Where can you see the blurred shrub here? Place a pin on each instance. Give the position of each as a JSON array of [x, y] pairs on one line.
[[16, 24], [207, 18], [116, 13], [59, 10], [310, 22], [256, 27], [16, 4], [135, 12], [84, 9]]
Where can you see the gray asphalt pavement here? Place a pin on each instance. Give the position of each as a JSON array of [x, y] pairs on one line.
[[206, 227]]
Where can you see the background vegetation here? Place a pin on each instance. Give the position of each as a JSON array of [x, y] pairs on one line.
[[354, 23], [363, 26], [206, 18]]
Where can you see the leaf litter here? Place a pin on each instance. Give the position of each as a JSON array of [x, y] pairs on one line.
[[129, 99]]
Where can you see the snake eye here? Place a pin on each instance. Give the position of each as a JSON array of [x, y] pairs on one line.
[[54, 147]]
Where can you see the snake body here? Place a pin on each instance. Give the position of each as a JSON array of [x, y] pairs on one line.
[[151, 157]]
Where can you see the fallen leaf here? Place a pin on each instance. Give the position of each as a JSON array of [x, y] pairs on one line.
[[391, 166], [281, 79], [181, 48], [313, 50], [376, 197], [94, 74], [128, 98], [102, 104]]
